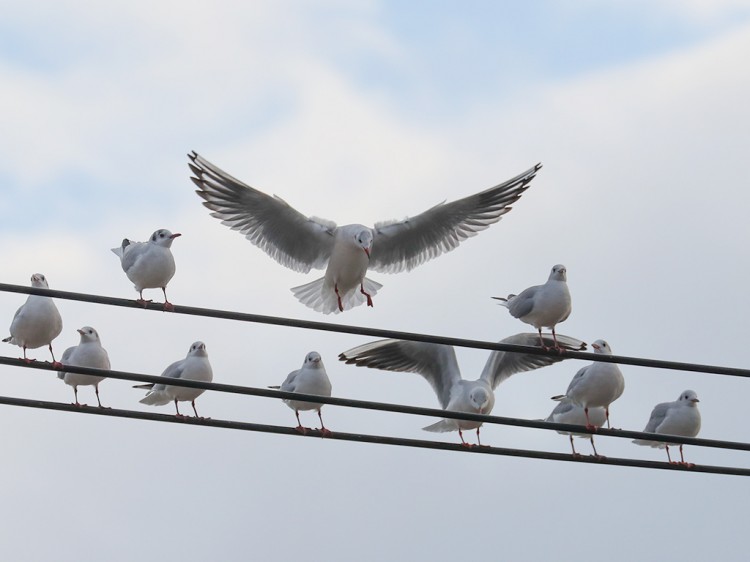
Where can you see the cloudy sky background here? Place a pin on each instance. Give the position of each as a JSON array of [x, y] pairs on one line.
[[359, 112]]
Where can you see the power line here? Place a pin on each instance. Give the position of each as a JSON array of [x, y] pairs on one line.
[[376, 332], [375, 439], [379, 406]]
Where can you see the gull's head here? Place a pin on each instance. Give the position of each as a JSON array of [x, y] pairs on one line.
[[163, 237], [689, 397], [480, 399], [198, 349], [601, 346], [364, 240], [88, 334], [39, 281], [558, 273], [312, 359]]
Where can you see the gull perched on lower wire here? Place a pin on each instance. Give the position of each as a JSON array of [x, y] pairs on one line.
[[88, 353], [438, 365], [37, 322], [347, 252], [194, 367], [568, 411], [311, 378], [596, 385], [149, 265], [542, 306], [680, 418]]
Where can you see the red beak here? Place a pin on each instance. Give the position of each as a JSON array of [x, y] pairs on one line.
[[175, 235]]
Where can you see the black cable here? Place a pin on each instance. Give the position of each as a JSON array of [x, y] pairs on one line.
[[364, 438], [378, 406], [376, 332]]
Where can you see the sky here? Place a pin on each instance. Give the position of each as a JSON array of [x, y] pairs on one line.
[[363, 112]]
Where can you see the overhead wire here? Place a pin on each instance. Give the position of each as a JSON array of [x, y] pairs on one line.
[[378, 406], [374, 332]]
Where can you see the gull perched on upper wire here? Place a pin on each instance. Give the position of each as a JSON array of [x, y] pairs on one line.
[[88, 353], [149, 265], [37, 322], [568, 411], [437, 364], [596, 385], [542, 306], [347, 252], [680, 418], [311, 378], [194, 367]]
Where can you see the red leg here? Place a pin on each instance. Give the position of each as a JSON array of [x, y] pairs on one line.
[[338, 296], [369, 297], [461, 435], [606, 413], [143, 302], [75, 393], [479, 442], [669, 458], [96, 390], [55, 363], [168, 306], [196, 411], [176, 407], [573, 447], [323, 429], [300, 427], [541, 340]]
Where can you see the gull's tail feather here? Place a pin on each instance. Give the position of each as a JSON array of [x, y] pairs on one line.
[[649, 443], [156, 398], [323, 299], [442, 426], [504, 301]]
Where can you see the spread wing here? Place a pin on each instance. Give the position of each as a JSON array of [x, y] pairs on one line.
[[503, 364], [435, 362], [295, 241], [404, 245]]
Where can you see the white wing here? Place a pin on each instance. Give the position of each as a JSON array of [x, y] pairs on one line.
[[403, 245], [503, 364], [295, 241], [436, 363]]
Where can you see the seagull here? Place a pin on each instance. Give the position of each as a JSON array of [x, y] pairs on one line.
[[88, 353], [149, 265], [542, 306], [568, 411], [437, 364], [347, 252], [194, 367], [311, 378], [680, 418], [596, 385], [37, 322]]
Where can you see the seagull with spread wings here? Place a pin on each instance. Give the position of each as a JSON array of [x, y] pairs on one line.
[[347, 252]]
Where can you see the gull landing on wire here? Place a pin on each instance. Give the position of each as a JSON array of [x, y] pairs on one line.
[[346, 252]]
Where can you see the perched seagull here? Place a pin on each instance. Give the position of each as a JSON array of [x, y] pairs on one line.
[[149, 265], [311, 378], [542, 306], [437, 364], [347, 252], [194, 367], [680, 418], [37, 322], [88, 353], [596, 385], [568, 411]]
